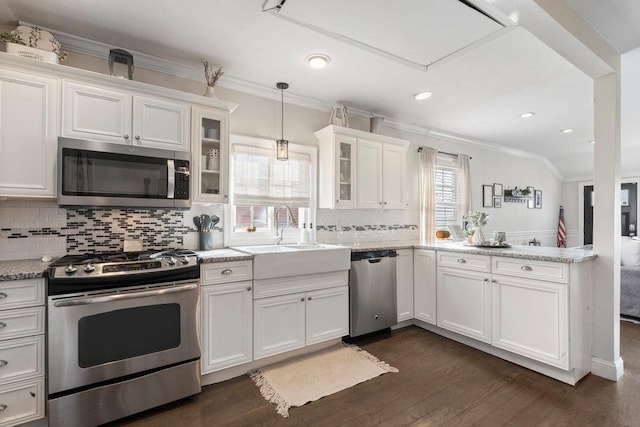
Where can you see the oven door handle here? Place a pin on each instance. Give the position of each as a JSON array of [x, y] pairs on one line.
[[125, 296]]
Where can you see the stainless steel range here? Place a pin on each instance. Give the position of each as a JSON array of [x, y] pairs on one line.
[[122, 334]]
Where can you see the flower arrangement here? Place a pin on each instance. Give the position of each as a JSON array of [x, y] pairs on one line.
[[478, 219], [33, 39], [210, 74]]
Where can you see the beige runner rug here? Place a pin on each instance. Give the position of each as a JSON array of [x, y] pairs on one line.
[[310, 377]]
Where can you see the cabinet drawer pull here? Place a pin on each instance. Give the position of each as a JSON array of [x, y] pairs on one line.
[[461, 261], [526, 268], [3, 363], [302, 299], [226, 271], [485, 280], [248, 288], [3, 325], [3, 295], [3, 407]]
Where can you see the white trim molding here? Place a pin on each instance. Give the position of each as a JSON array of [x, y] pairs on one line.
[[609, 370]]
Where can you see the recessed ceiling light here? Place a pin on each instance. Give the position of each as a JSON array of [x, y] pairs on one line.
[[527, 115], [422, 95], [569, 130], [318, 60]]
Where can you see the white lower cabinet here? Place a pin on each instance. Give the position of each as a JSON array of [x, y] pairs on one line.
[[292, 321], [22, 367], [325, 314], [227, 314], [226, 325], [279, 324], [404, 284], [530, 318], [464, 302], [424, 285]]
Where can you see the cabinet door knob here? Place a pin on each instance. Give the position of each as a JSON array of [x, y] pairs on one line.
[[338, 201], [3, 325], [485, 280], [526, 268], [249, 288], [3, 407], [309, 298], [302, 299], [137, 137], [3, 363], [126, 136], [494, 281], [3, 295], [225, 196], [461, 261], [385, 203], [226, 271]]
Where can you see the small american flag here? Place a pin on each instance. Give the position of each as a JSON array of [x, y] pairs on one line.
[[562, 232]]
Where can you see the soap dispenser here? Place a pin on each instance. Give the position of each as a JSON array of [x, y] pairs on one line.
[[312, 233]]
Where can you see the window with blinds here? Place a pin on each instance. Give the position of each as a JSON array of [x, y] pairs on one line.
[[446, 197], [259, 184]]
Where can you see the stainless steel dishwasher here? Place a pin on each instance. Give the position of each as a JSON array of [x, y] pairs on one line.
[[372, 292]]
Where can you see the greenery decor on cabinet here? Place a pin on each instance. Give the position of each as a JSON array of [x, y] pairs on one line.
[[34, 39]]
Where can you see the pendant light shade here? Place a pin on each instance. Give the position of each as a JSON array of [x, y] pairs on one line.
[[282, 145]]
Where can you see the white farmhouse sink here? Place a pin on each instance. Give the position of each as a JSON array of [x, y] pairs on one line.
[[271, 261]]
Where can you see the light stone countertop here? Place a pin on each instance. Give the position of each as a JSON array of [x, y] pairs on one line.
[[22, 269], [536, 253], [222, 255]]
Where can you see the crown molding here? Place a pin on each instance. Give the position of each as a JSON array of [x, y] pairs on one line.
[[101, 50]]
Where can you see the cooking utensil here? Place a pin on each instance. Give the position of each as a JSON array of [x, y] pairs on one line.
[[206, 222], [197, 222], [214, 220]]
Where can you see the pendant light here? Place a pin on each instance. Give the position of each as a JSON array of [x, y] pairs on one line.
[[282, 145]]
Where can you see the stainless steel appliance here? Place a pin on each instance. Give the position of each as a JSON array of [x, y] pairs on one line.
[[122, 334], [92, 173], [372, 292]]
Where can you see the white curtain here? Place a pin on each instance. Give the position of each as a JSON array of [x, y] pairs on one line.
[[428, 160], [259, 179], [463, 191]]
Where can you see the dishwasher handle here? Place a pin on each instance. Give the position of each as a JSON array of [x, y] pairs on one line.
[[374, 260], [367, 255]]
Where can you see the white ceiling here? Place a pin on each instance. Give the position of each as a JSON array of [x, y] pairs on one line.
[[482, 74]]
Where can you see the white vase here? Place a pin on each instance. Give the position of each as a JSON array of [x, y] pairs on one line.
[[210, 93], [339, 116], [478, 236]]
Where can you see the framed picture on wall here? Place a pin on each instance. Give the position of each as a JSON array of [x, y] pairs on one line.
[[487, 196], [538, 199], [497, 190], [497, 202]]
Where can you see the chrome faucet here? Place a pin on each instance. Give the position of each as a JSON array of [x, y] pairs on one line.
[[279, 234]]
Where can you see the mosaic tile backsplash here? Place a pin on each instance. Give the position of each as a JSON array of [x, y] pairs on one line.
[[33, 229]]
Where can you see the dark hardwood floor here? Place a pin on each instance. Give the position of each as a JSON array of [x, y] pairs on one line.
[[440, 382]]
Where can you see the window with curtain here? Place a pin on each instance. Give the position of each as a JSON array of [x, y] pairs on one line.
[[446, 191], [260, 184]]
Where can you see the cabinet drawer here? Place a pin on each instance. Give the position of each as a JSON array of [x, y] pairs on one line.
[[22, 402], [464, 261], [530, 269], [21, 322], [21, 358], [21, 293], [225, 272]]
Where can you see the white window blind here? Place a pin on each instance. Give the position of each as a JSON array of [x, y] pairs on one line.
[[446, 197], [259, 179]]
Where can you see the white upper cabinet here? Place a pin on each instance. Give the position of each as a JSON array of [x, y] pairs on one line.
[[361, 169], [210, 148], [28, 134], [92, 112]]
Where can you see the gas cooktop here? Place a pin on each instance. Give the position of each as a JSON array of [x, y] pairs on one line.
[[118, 269]]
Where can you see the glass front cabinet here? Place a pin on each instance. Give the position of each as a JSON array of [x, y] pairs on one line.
[[210, 166]]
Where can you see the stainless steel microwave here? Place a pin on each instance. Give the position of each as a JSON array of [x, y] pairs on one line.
[[93, 173]]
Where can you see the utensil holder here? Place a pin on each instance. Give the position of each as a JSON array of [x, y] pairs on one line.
[[206, 240]]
